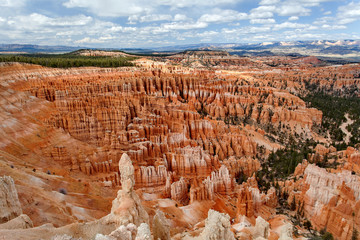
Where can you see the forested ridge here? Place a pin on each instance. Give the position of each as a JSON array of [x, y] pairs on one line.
[[69, 60]]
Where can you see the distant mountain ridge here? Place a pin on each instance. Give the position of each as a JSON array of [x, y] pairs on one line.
[[349, 49], [31, 48], [339, 49], [264, 45]]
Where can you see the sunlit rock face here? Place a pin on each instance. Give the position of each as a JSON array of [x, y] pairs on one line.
[[330, 200], [333, 200]]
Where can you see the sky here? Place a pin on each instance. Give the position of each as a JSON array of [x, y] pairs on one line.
[[156, 23]]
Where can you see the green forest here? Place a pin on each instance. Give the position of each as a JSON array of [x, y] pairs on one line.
[[282, 163], [68, 60], [334, 109]]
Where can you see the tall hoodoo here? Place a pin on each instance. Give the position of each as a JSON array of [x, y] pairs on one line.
[[127, 207], [127, 173]]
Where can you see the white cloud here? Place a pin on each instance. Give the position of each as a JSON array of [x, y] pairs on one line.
[[293, 9], [333, 27], [293, 18], [262, 21], [12, 3], [207, 34], [345, 20], [349, 13], [350, 10], [89, 40], [323, 20], [229, 31], [169, 21], [111, 8], [191, 3], [169, 28], [345, 15], [247, 30], [184, 26], [155, 18], [36, 20], [290, 25], [269, 2], [117, 29], [259, 29], [311, 27], [180, 17], [310, 3], [223, 16], [79, 29], [125, 8], [262, 12]]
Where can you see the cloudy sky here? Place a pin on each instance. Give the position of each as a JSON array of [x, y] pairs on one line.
[[148, 23]]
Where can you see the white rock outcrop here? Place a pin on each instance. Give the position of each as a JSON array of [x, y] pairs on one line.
[[127, 207], [9, 202], [124, 232], [286, 232], [143, 232], [217, 226], [129, 232], [261, 229]]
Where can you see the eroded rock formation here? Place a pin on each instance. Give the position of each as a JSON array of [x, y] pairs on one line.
[[330, 200], [9, 201], [21, 222], [217, 226], [189, 133], [127, 207]]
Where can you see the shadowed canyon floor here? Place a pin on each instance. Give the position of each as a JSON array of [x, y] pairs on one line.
[[183, 146]]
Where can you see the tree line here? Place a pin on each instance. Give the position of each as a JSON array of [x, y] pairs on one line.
[[68, 60]]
